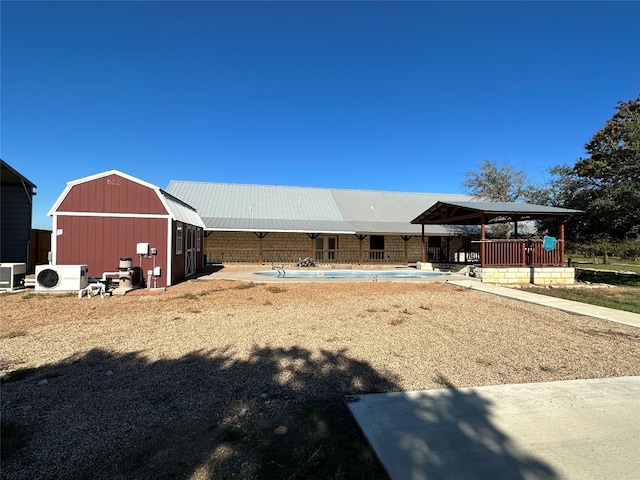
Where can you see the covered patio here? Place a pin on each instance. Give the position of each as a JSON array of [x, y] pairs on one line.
[[523, 254]]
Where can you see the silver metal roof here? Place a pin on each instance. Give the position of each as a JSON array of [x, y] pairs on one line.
[[508, 207], [267, 208]]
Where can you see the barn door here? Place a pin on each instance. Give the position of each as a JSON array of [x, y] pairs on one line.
[[190, 251]]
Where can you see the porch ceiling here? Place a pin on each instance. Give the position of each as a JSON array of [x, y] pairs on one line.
[[472, 213]]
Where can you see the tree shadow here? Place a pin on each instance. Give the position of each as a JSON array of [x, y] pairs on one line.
[[209, 414], [444, 434]]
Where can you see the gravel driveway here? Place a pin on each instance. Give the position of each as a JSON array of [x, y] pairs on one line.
[[159, 386]]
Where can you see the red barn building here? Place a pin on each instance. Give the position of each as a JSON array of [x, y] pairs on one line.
[[102, 218]]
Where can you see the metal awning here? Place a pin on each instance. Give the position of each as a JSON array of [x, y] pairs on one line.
[[477, 213]]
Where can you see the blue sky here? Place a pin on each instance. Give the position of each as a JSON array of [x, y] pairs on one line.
[[404, 96]]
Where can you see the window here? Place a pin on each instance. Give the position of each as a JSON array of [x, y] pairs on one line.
[[376, 245], [198, 240], [179, 239], [435, 242]]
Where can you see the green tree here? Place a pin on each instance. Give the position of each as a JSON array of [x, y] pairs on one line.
[[605, 183], [497, 183]]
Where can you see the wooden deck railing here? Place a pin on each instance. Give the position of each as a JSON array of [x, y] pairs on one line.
[[487, 253], [519, 253], [293, 256]]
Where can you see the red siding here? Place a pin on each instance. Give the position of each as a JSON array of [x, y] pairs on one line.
[[112, 194], [100, 242]]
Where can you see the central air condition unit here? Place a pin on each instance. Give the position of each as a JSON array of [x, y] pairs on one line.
[[61, 278], [12, 275]]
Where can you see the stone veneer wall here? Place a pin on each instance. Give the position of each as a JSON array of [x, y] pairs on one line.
[[243, 246], [535, 275]]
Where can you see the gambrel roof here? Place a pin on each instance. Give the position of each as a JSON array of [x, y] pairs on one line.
[[270, 208], [176, 208]]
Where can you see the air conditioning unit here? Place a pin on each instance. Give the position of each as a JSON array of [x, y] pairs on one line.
[[12, 275], [61, 278]]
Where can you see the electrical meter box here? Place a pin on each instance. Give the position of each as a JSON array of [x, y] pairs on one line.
[[142, 249]]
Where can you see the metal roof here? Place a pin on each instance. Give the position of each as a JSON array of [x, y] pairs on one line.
[[268, 208], [471, 213], [10, 176]]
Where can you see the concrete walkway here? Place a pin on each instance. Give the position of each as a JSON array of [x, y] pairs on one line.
[[570, 306], [577, 429]]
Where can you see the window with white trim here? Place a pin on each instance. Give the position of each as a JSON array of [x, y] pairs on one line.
[[179, 239]]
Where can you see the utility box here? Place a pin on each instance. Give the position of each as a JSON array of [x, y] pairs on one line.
[[142, 249], [12, 275]]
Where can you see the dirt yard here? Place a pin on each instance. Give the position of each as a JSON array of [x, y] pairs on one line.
[[223, 379]]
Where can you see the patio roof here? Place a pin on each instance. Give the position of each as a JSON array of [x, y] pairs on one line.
[[477, 213]]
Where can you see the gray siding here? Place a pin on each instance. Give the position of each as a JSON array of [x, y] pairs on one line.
[[15, 224]]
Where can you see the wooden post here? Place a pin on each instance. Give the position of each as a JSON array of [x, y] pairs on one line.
[[483, 236], [423, 256], [313, 237], [261, 236], [406, 239], [562, 242]]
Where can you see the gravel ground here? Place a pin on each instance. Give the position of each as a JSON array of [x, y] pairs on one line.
[[145, 386]]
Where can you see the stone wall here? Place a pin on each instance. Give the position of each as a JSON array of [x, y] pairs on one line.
[[535, 275], [244, 247]]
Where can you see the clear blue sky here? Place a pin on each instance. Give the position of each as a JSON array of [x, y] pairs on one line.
[[404, 96]]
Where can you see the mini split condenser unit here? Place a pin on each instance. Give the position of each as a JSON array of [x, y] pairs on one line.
[[61, 278], [12, 275]]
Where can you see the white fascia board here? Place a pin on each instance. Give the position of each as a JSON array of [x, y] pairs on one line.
[[112, 215]]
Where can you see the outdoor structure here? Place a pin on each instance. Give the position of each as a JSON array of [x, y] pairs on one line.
[[512, 260], [16, 198], [98, 220], [283, 224]]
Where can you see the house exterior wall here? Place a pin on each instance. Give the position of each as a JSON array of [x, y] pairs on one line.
[[100, 242], [15, 227], [245, 247]]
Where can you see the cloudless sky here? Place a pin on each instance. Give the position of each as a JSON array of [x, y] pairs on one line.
[[403, 96]]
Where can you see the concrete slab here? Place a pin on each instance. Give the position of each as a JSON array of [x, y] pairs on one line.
[[578, 429]]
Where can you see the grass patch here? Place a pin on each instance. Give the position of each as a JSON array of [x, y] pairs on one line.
[[13, 438], [186, 296], [627, 299], [274, 289], [245, 286], [611, 278], [29, 296], [396, 321], [14, 334]]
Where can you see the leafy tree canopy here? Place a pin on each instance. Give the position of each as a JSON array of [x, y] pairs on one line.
[[496, 183], [605, 183]]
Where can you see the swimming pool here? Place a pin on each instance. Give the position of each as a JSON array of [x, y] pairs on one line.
[[400, 273]]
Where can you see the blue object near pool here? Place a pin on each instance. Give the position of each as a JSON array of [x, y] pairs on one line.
[[405, 273]]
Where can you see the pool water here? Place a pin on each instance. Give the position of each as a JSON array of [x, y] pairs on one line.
[[404, 273]]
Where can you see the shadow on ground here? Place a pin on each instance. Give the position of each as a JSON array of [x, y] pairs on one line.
[[443, 434], [213, 415]]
